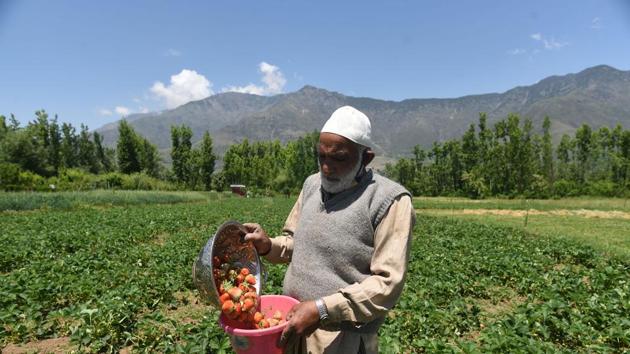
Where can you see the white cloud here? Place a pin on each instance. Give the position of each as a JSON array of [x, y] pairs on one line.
[[272, 78], [123, 111], [596, 23], [143, 110], [517, 51], [105, 112], [548, 43], [186, 86], [173, 53]]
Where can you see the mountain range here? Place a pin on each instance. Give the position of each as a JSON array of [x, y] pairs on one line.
[[598, 96]]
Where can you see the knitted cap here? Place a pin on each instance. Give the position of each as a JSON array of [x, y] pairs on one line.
[[350, 123]]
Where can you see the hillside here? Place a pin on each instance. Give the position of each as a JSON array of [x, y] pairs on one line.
[[597, 96]]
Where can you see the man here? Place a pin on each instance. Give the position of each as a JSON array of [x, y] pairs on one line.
[[347, 240]]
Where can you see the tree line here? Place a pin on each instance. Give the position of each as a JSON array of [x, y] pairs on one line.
[[45, 154], [511, 160], [508, 159]]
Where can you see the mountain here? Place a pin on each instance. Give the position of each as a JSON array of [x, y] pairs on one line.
[[598, 96]]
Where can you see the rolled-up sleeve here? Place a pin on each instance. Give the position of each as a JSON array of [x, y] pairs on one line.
[[282, 246], [363, 302]]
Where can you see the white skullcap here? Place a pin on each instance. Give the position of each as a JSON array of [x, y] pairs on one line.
[[350, 123]]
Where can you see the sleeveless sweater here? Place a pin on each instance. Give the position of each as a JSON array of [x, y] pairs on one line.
[[334, 240]]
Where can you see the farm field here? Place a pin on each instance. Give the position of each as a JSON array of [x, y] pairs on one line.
[[601, 223], [117, 278]]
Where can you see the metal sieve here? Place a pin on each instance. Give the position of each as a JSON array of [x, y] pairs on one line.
[[227, 244]]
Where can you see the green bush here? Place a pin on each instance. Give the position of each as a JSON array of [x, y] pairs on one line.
[[603, 188], [75, 179], [9, 176], [141, 181], [30, 181], [111, 180], [565, 188]]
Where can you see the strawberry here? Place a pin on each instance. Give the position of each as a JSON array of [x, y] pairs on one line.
[[248, 304], [235, 293], [239, 279], [245, 271], [243, 287], [224, 297], [250, 294], [228, 307], [250, 279], [263, 324], [258, 317], [216, 262], [224, 287]]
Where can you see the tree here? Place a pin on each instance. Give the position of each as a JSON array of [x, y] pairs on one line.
[[3, 127], [206, 161], [101, 153], [86, 151], [547, 152], [181, 153], [583, 139], [54, 149], [149, 157], [127, 149], [69, 146]]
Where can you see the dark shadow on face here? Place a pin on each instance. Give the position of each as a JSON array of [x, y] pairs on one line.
[[337, 155]]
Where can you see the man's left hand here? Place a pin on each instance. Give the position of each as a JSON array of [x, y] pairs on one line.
[[303, 320]]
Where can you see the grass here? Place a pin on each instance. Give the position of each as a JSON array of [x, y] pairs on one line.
[[610, 236], [588, 203], [19, 201]]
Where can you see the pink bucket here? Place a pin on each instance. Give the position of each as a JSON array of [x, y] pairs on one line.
[[259, 341]]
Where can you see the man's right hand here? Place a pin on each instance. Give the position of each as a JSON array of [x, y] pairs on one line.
[[258, 237]]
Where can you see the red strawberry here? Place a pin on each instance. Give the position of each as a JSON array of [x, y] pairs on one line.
[[235, 294], [250, 294], [250, 279], [245, 272], [263, 324], [243, 287], [258, 317], [248, 304], [228, 307]]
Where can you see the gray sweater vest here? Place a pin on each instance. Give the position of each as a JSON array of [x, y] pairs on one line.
[[334, 240]]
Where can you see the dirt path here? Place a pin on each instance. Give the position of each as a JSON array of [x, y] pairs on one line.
[[55, 345]]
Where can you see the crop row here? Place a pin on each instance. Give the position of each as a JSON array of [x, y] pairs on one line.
[[119, 277]]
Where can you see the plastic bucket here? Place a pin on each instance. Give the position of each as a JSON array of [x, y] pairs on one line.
[[259, 341]]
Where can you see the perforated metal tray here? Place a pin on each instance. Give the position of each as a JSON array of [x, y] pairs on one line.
[[227, 244]]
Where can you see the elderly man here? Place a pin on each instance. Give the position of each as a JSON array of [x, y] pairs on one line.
[[346, 241]]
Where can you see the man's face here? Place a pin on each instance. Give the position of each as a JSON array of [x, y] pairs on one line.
[[339, 161]]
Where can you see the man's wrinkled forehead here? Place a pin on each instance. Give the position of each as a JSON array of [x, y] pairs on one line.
[[336, 143]]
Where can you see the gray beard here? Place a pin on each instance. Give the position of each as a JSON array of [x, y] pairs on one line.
[[341, 183]]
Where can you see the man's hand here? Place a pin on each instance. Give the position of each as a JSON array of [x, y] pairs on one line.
[[303, 320], [259, 238]]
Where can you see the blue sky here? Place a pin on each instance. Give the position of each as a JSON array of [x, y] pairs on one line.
[[93, 61]]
